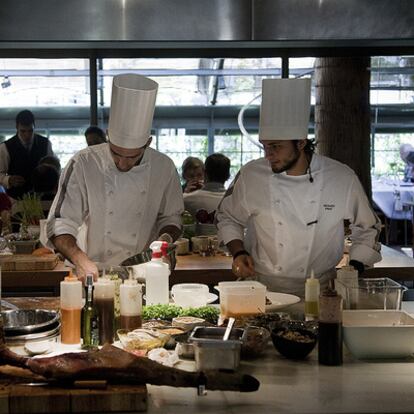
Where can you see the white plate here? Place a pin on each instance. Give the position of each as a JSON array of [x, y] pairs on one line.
[[212, 297], [280, 300]]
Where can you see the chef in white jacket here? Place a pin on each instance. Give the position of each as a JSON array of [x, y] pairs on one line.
[[284, 214], [124, 193]]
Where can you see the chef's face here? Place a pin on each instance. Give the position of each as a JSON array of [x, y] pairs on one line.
[[126, 158], [25, 132], [282, 155]]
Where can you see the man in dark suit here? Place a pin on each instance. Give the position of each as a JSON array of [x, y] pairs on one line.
[[21, 154]]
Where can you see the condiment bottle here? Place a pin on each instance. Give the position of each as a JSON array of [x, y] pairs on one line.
[[70, 309], [131, 304], [157, 275], [312, 291], [330, 328], [90, 331], [104, 302]]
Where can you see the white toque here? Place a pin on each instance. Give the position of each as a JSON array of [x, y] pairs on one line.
[[132, 110], [285, 109]]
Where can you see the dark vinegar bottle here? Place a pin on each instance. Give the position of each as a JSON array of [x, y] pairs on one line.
[[330, 328]]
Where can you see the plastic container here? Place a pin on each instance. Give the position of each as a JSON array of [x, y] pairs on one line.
[[70, 310], [188, 295], [379, 293], [241, 298], [347, 276], [104, 301], [131, 304], [157, 274]]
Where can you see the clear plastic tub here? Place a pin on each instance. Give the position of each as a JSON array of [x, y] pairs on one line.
[[242, 298], [376, 293]]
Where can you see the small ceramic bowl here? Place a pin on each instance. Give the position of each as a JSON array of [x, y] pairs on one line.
[[294, 339]]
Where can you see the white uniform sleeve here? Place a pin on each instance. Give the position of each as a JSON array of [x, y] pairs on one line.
[[232, 213], [365, 226], [172, 205], [4, 166], [70, 206]]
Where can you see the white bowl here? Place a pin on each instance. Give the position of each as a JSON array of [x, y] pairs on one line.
[[190, 294], [378, 333]]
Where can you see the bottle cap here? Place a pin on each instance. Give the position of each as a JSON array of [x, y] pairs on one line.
[[71, 278], [89, 279]]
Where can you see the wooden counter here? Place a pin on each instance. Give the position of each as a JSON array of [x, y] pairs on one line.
[[33, 283], [190, 268]]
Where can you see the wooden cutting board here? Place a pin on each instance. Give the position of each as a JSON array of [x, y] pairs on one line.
[[28, 262], [21, 399]]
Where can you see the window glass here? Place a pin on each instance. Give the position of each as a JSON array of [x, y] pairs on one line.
[[44, 82]]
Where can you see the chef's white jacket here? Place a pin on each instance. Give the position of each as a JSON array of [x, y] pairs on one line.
[[123, 211], [294, 225]]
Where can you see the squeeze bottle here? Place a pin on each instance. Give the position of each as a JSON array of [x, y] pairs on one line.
[[157, 275], [312, 291], [104, 301], [131, 304], [70, 309]]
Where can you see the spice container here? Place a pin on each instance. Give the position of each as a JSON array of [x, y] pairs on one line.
[[104, 302], [70, 310], [211, 352]]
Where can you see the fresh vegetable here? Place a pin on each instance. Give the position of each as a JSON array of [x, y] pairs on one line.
[[168, 312]]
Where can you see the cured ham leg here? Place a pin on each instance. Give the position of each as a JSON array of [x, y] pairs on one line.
[[115, 365]]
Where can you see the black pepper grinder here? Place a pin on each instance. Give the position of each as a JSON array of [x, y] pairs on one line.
[[330, 328]]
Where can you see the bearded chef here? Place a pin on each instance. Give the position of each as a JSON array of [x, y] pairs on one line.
[[123, 192], [284, 214]]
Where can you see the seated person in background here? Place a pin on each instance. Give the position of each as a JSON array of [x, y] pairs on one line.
[[20, 155], [192, 172], [407, 155], [95, 136], [217, 172], [53, 161]]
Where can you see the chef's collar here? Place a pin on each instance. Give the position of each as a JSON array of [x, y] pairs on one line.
[[144, 162]]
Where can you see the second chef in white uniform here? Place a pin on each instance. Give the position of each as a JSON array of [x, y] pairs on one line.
[[284, 214], [124, 193]]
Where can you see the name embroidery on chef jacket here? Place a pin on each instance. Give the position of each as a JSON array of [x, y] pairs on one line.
[[329, 207]]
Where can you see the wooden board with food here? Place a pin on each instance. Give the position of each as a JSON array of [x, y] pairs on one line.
[[28, 262]]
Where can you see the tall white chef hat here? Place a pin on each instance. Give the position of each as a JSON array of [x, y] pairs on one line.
[[132, 110], [285, 109]]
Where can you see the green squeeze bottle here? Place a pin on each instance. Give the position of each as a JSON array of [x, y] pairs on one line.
[[90, 334]]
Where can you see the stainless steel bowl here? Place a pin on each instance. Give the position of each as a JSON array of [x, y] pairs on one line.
[[28, 321], [51, 333]]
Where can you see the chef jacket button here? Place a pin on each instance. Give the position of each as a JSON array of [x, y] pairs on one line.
[[143, 191], [139, 214], [111, 213], [280, 223], [312, 201], [108, 233], [277, 201], [301, 269], [134, 235], [278, 268], [109, 252], [111, 193], [280, 244]]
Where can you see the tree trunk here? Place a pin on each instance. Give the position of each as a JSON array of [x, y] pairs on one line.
[[342, 113]]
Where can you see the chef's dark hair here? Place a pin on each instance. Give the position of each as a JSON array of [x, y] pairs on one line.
[[217, 168], [309, 146]]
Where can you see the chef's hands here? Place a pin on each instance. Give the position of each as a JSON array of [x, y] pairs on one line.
[[243, 266], [84, 266], [360, 267], [16, 181]]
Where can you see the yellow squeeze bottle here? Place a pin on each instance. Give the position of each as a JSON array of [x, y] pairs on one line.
[[312, 291]]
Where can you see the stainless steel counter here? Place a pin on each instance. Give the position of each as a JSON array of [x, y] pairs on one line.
[[302, 387]]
